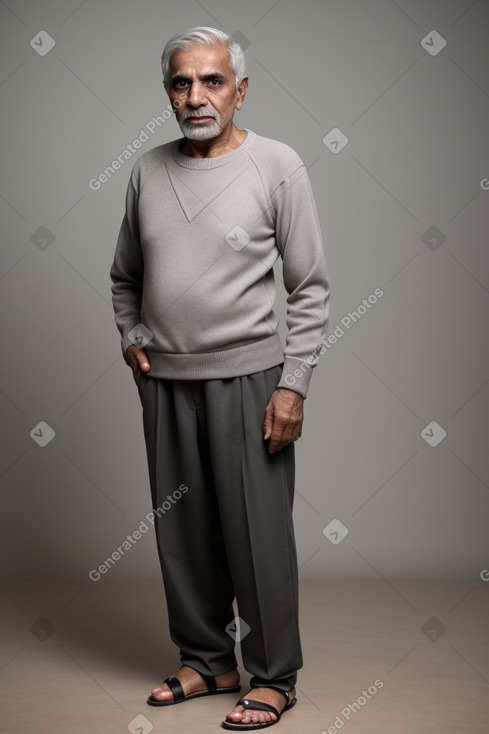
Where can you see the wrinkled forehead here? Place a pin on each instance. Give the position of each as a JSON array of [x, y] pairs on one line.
[[199, 60]]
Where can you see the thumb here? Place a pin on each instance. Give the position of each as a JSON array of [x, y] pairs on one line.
[[138, 358], [142, 359]]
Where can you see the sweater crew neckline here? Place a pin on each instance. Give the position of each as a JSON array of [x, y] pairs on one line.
[[205, 163]]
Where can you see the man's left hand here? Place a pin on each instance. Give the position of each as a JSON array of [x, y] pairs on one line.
[[283, 419]]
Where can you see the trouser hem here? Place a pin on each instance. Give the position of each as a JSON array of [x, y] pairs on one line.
[[227, 664], [285, 684]]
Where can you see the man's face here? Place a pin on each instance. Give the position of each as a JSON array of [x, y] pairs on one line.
[[203, 86]]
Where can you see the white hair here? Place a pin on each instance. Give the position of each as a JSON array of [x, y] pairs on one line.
[[203, 35]]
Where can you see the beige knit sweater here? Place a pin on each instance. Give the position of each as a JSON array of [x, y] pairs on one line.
[[192, 275]]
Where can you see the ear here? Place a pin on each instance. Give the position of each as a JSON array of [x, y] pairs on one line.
[[241, 92]]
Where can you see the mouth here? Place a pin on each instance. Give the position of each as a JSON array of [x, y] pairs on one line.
[[199, 120]]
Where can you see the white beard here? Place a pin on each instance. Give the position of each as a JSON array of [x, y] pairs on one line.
[[201, 131]]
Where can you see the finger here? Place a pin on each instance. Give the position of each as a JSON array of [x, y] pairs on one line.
[[268, 422], [276, 438], [291, 432]]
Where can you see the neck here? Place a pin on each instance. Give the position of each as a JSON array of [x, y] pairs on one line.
[[227, 141]]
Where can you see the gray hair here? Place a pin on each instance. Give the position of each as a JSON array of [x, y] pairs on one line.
[[203, 35]]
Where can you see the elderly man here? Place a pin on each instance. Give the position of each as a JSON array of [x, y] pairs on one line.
[[207, 216]]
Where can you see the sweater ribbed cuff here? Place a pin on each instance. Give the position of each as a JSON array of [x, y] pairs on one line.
[[296, 375]]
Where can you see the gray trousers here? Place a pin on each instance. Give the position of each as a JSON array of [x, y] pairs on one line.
[[223, 521]]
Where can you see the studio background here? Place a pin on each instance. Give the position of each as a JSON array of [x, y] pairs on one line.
[[403, 207]]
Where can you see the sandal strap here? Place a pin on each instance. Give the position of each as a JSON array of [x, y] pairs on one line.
[[248, 703], [176, 688], [280, 690], [210, 682]]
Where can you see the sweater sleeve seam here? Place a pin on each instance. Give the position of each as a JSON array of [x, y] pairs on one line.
[[137, 171], [301, 165], [266, 193]]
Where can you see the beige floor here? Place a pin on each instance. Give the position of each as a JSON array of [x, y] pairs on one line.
[[82, 656]]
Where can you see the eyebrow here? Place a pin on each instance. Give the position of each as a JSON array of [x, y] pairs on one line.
[[202, 77]]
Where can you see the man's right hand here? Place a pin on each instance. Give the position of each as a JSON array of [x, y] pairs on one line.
[[138, 360]]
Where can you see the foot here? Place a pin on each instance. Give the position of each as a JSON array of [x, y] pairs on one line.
[[192, 682], [240, 715]]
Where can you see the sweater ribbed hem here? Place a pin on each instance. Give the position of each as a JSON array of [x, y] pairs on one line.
[[244, 360]]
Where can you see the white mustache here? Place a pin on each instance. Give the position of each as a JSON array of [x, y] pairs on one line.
[[196, 115]]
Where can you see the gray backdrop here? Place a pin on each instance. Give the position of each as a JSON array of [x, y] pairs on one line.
[[387, 103]]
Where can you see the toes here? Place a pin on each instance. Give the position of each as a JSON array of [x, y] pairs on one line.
[[162, 694], [236, 714], [250, 716], [258, 717]]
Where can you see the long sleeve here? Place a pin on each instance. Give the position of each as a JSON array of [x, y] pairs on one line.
[[127, 271], [305, 276]]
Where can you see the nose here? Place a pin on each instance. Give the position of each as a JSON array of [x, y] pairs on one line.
[[196, 95]]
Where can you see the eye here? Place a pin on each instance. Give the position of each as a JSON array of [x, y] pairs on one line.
[[215, 82]]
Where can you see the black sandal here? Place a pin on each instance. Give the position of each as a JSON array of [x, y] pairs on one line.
[[179, 696], [249, 704]]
